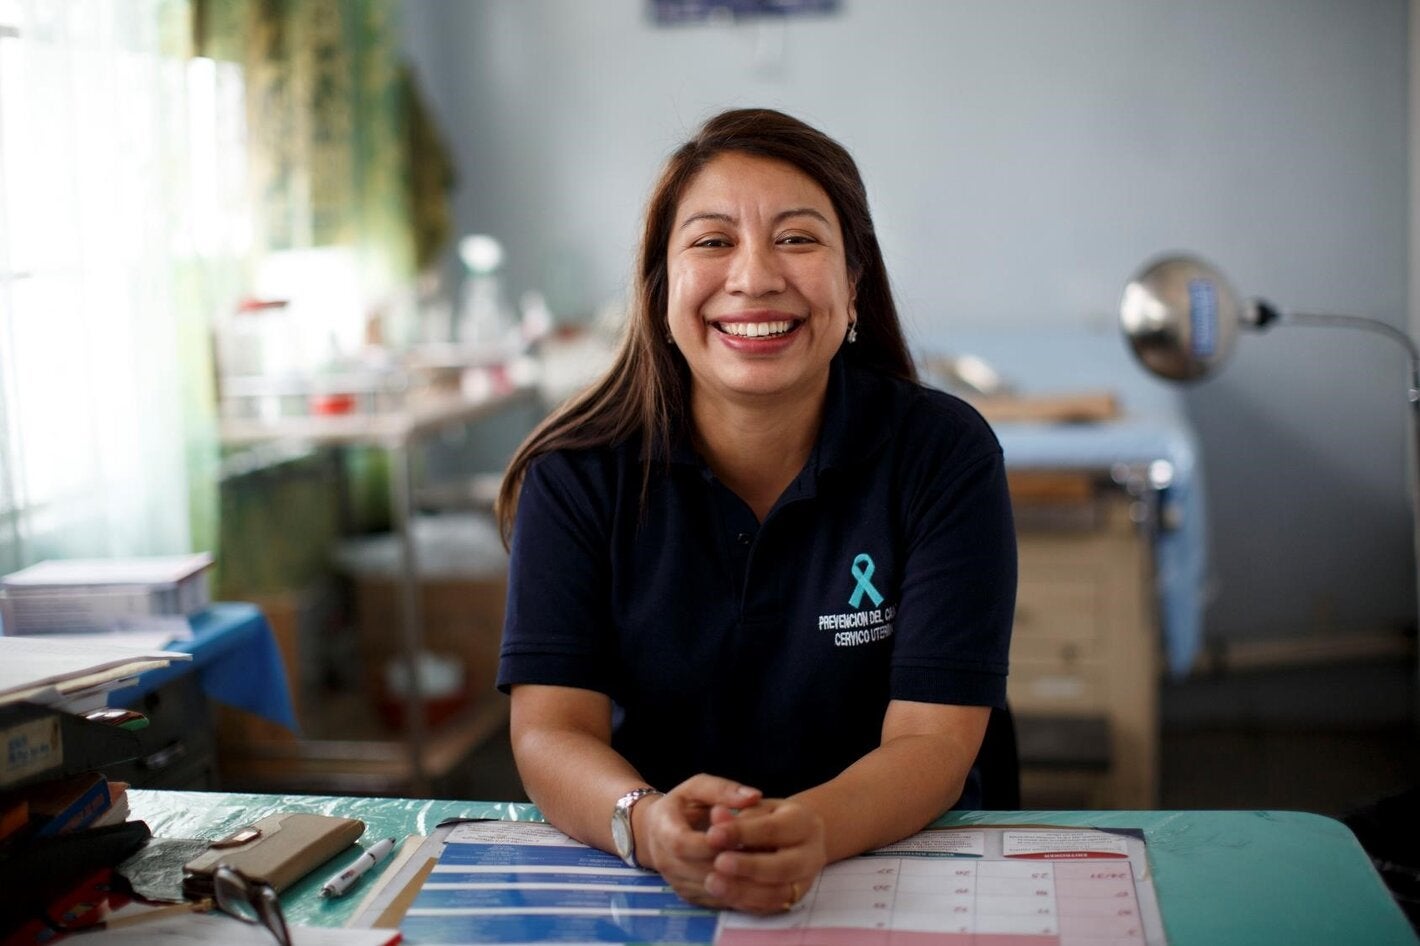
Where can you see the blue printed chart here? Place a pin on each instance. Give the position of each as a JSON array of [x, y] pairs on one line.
[[508, 882]]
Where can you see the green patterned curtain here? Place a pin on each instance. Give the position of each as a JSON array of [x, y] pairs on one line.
[[340, 152], [328, 125]]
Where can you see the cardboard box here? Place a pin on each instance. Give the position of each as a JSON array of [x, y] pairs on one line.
[[462, 617], [285, 612]]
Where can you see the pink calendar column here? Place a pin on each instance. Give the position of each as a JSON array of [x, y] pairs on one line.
[[1097, 904]]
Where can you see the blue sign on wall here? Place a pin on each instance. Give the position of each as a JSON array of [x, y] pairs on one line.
[[666, 12]]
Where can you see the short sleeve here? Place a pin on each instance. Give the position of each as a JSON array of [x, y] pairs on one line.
[[556, 626], [959, 574]]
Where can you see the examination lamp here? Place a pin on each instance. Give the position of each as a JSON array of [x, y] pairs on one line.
[[1182, 319]]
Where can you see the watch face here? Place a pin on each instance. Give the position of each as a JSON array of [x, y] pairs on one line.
[[621, 832]]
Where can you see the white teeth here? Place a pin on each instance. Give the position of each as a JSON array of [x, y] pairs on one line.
[[755, 329]]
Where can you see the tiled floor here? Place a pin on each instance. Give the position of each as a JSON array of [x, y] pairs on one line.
[[1328, 739], [1327, 772]]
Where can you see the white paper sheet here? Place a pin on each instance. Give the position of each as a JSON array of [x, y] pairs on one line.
[[30, 665]]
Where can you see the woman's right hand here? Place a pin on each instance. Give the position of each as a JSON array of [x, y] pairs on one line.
[[670, 831]]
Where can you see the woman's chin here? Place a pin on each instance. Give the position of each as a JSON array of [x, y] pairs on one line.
[[765, 381]]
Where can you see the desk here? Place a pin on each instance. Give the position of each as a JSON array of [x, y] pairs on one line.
[[1224, 878]]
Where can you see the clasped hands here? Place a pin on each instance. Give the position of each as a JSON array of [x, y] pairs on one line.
[[722, 844]]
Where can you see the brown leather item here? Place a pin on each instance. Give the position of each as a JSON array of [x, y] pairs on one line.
[[278, 849]]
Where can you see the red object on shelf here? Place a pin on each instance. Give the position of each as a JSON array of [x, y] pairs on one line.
[[437, 709], [332, 403]]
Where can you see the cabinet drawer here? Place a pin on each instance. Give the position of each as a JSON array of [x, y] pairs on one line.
[[1051, 686], [1054, 611]]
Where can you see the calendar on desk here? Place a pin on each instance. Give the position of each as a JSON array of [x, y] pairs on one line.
[[505, 882], [1027, 886]]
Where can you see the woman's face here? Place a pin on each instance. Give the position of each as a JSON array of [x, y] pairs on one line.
[[759, 295]]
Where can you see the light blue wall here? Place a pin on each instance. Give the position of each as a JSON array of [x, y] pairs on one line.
[[1023, 157]]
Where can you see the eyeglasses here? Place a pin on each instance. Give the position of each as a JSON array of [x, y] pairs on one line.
[[251, 901]]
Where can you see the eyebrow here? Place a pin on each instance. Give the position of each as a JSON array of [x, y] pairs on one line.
[[780, 217]]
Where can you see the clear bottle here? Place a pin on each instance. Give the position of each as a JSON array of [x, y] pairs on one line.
[[485, 320]]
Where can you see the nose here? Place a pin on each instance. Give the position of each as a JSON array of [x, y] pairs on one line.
[[754, 271]]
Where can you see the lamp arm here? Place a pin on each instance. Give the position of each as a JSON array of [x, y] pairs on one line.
[[1268, 314], [1369, 325]]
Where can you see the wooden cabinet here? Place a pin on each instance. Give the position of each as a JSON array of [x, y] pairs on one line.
[[1085, 652]]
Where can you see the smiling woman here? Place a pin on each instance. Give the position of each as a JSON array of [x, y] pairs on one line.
[[760, 293], [761, 581], [760, 300]]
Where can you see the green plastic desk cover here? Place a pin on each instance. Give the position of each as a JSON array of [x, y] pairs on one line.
[[1224, 878]]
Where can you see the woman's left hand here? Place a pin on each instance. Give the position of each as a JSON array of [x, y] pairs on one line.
[[769, 856]]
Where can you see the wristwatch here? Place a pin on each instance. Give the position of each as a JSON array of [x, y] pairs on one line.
[[621, 834]]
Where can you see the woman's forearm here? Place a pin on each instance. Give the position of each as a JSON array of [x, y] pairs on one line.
[[562, 744], [898, 788], [575, 779]]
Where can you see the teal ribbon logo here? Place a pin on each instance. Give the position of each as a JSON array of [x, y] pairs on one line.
[[863, 569]]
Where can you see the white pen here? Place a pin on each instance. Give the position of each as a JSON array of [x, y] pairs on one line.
[[343, 881]]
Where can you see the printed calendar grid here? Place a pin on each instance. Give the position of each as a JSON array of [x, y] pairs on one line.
[[959, 902]]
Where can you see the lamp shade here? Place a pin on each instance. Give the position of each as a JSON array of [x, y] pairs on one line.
[[1180, 316]]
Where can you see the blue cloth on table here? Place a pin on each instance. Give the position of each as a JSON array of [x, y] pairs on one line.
[[237, 662], [1152, 426]]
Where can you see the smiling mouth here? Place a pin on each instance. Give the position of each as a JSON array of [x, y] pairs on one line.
[[776, 329]]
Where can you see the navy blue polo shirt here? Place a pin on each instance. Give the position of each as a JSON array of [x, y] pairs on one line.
[[768, 652]]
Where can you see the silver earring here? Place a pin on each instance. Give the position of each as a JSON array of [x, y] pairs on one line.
[[852, 332]]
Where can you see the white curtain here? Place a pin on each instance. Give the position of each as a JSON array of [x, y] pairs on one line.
[[121, 224]]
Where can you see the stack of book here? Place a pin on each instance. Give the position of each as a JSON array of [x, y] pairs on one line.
[[67, 596], [61, 819], [63, 805]]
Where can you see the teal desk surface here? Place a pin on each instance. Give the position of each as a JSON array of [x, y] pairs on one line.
[[1224, 878]]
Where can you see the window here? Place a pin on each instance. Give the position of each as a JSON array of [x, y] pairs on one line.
[[121, 224]]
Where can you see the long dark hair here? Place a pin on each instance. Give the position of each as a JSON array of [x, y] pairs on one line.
[[644, 390]]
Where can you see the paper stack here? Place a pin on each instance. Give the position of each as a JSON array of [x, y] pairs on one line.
[[70, 674], [66, 596]]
